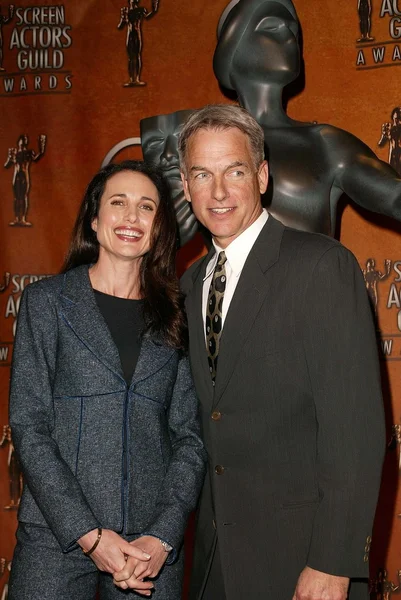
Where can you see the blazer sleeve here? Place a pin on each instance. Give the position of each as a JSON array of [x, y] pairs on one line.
[[186, 470], [51, 482], [341, 354]]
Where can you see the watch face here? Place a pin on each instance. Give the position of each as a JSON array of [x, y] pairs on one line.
[[166, 546]]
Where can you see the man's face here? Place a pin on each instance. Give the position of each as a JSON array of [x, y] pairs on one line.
[[222, 182]]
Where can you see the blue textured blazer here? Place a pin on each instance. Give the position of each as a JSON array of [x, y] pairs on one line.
[[95, 452]]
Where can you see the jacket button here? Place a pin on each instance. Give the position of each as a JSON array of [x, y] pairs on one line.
[[219, 469], [216, 415]]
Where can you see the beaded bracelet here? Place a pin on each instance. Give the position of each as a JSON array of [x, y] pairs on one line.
[[95, 545]]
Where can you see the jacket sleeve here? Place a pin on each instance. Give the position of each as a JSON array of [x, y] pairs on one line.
[[186, 470], [341, 353], [51, 482]]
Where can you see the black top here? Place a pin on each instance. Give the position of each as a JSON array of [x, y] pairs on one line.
[[124, 318]]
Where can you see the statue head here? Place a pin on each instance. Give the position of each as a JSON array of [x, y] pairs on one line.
[[159, 141], [257, 41]]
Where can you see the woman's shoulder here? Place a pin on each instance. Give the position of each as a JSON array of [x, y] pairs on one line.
[[54, 285]]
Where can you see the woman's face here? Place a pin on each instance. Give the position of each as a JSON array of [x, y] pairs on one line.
[[258, 42], [126, 213]]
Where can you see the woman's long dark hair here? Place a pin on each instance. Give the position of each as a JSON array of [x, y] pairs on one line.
[[163, 302]]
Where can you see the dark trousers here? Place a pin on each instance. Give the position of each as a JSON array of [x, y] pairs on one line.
[[214, 588]]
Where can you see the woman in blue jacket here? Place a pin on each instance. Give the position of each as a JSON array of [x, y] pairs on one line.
[[102, 408]]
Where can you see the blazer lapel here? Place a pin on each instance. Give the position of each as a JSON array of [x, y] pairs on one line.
[[153, 356], [80, 312], [250, 293]]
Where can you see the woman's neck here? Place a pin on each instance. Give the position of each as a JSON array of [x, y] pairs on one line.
[[116, 277]]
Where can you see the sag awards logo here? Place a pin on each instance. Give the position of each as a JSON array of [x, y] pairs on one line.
[[374, 279], [36, 47], [11, 288], [371, 53]]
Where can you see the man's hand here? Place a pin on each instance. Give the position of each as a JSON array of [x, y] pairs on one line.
[[315, 585], [136, 570], [110, 554]]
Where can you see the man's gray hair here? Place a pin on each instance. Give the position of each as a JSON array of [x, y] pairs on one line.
[[219, 117]]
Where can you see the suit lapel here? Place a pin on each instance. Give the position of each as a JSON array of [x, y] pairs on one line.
[[193, 303], [250, 293], [153, 356], [80, 312]]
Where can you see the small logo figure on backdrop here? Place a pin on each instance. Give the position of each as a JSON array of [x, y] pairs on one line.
[[395, 442], [21, 158], [383, 589], [5, 565], [132, 17], [3, 21], [14, 469], [373, 277], [365, 23], [6, 282], [391, 135]]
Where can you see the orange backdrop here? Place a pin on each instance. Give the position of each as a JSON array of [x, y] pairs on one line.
[[64, 69]]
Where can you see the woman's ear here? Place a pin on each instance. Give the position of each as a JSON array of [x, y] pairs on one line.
[[94, 224]]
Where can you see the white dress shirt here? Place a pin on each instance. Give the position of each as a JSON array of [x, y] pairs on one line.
[[236, 254]]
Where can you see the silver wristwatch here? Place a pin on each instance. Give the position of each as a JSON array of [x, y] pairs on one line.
[[166, 546]]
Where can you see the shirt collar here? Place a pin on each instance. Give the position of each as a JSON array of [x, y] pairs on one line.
[[237, 252]]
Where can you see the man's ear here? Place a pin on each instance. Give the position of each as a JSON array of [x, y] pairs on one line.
[[263, 176], [185, 186]]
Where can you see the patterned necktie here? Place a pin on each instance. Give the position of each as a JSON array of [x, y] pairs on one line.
[[214, 323]]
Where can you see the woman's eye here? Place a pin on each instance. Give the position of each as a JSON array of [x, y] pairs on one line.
[[147, 207], [117, 202]]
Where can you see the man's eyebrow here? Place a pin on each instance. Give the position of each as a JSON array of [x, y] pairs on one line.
[[198, 168], [236, 163]]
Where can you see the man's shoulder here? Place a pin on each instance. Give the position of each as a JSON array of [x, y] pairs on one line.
[[304, 243], [187, 278], [307, 251]]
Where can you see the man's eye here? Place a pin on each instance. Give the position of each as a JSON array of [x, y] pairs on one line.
[[201, 176], [236, 173]]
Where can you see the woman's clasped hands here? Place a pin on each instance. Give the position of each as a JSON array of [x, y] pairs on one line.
[[130, 563]]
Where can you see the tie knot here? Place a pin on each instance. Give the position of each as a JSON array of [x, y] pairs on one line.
[[221, 259]]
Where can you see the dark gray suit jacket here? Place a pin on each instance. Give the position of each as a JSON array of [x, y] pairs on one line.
[[294, 426], [93, 450]]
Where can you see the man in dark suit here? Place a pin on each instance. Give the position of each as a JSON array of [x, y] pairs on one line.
[[283, 353]]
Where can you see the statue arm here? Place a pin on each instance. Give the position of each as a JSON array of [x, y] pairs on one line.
[[123, 19], [368, 181], [42, 147], [10, 159], [155, 8], [10, 14]]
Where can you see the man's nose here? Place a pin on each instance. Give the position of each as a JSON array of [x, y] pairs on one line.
[[220, 191]]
